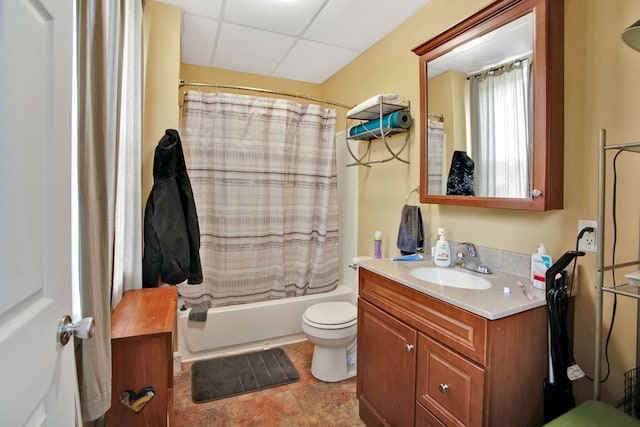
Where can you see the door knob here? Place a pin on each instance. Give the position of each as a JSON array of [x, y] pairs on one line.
[[85, 328], [408, 347]]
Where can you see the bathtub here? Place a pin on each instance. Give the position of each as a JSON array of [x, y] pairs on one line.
[[248, 327]]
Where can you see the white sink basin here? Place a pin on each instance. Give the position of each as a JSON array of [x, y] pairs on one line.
[[450, 277]]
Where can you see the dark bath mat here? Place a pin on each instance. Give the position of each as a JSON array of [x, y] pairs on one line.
[[243, 373]]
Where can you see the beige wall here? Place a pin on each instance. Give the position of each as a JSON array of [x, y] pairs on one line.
[[601, 87], [447, 97], [162, 72], [198, 74], [601, 91]]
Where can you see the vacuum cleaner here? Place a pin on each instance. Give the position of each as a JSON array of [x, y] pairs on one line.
[[558, 394]]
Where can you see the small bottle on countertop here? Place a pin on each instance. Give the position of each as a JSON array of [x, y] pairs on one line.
[[377, 245], [540, 262], [442, 253]]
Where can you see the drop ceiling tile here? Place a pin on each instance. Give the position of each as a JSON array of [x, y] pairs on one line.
[[210, 8], [351, 24], [198, 39], [314, 62], [272, 15], [249, 50], [357, 24]]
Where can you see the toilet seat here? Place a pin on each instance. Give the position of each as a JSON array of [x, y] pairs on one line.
[[331, 315]]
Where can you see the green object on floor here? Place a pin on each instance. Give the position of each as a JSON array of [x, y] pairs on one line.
[[243, 373], [594, 413]]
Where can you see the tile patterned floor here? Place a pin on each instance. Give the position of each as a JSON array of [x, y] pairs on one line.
[[307, 402]]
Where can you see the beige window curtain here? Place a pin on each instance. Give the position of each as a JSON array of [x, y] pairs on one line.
[[501, 127], [109, 79]]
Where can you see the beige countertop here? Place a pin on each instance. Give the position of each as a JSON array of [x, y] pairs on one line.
[[493, 303]]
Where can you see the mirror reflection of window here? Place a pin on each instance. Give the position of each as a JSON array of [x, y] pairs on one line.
[[501, 126]]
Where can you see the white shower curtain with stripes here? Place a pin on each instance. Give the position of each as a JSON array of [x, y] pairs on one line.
[[264, 182]]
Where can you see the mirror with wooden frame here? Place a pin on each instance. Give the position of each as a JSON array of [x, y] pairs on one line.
[[491, 100]]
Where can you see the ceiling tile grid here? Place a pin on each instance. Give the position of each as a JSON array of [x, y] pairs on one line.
[[197, 43], [250, 50], [305, 40]]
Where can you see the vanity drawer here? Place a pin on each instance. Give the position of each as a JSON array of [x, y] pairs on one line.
[[448, 385], [461, 330]]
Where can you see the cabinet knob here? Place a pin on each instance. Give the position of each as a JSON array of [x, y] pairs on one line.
[[408, 347], [443, 388]]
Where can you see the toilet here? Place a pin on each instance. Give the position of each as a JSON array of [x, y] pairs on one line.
[[332, 327]]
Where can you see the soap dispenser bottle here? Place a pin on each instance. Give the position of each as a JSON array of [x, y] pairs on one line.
[[442, 253], [540, 262]]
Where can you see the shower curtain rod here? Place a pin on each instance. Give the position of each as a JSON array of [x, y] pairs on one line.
[[257, 89]]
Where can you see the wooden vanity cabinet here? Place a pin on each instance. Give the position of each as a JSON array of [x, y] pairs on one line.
[[424, 362]]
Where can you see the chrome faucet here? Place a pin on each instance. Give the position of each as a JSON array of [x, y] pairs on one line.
[[470, 260]]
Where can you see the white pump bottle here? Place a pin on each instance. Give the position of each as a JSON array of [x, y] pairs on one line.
[[442, 253]]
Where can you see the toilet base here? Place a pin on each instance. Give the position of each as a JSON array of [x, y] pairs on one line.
[[332, 364]]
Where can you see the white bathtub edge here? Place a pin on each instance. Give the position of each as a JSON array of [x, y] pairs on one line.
[[249, 327]]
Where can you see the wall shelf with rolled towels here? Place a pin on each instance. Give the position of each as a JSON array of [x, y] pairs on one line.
[[379, 117]]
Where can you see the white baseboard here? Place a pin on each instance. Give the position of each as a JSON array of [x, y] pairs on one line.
[[177, 363]]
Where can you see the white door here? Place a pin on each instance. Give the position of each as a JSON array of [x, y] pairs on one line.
[[36, 372]]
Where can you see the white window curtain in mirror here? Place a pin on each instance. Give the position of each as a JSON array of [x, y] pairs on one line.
[[264, 182], [501, 130], [109, 114]]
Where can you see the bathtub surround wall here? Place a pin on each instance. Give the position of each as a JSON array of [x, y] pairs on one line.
[[347, 215]]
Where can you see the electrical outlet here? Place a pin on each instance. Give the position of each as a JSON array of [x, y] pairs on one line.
[[588, 241]]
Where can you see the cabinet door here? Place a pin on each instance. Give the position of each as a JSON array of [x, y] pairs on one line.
[[449, 386], [425, 418], [137, 363], [386, 368]]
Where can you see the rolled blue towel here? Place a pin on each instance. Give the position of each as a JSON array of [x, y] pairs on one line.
[[198, 314], [397, 120]]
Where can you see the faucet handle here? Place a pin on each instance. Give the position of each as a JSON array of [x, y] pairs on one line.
[[484, 269], [471, 249]]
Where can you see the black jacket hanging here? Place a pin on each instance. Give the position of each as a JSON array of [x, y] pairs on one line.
[[460, 181], [171, 230]]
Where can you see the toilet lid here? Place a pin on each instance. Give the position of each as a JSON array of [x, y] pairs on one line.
[[338, 314]]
